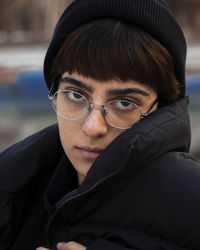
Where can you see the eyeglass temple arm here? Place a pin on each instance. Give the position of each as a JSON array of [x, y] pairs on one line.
[[150, 108], [53, 85], [50, 95]]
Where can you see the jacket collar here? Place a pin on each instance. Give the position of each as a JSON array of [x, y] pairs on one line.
[[165, 130], [63, 181]]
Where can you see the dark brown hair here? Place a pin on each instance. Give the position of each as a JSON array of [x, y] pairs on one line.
[[108, 49]]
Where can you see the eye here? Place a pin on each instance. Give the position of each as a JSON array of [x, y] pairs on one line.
[[75, 96], [124, 105]]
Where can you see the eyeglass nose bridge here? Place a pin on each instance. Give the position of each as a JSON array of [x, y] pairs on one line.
[[102, 107]]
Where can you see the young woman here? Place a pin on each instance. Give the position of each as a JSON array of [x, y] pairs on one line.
[[115, 173]]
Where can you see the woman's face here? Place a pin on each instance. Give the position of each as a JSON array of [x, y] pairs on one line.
[[84, 140]]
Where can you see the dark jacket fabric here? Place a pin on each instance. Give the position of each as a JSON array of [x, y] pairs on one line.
[[142, 192]]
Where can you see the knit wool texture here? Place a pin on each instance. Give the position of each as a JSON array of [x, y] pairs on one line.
[[153, 16]]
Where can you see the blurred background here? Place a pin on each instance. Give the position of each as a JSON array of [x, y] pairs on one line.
[[26, 27]]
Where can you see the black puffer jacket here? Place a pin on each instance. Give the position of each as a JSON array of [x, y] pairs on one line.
[[143, 192]]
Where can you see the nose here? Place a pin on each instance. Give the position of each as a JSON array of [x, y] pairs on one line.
[[95, 124]]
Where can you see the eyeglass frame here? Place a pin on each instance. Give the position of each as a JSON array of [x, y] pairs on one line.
[[102, 107]]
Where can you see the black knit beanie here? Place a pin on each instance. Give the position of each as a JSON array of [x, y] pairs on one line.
[[151, 15]]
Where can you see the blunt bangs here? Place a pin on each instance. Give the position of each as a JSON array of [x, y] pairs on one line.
[[108, 49]]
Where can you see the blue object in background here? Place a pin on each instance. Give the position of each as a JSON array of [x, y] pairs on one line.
[[31, 85], [193, 85], [6, 95], [31, 92], [193, 91]]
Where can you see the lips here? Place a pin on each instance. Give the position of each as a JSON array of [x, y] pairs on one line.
[[89, 152]]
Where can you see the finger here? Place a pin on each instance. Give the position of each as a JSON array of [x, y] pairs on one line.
[[72, 245], [42, 248]]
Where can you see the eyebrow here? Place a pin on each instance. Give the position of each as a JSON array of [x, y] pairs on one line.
[[109, 92], [77, 83], [128, 91]]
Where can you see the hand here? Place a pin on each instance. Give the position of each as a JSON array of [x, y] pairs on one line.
[[72, 245]]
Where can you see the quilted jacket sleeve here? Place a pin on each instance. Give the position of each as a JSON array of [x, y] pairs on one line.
[[106, 245], [9, 206], [5, 223], [125, 240]]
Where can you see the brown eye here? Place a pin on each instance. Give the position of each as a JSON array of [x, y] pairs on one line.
[[123, 105], [75, 96]]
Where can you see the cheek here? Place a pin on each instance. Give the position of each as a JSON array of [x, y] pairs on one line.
[[67, 131], [71, 135]]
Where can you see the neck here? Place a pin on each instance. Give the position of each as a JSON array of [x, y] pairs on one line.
[[80, 178]]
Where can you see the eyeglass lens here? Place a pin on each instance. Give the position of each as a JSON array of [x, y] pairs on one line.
[[74, 106]]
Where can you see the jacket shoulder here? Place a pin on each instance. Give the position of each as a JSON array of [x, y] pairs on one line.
[[176, 170], [178, 163], [20, 163], [29, 141]]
